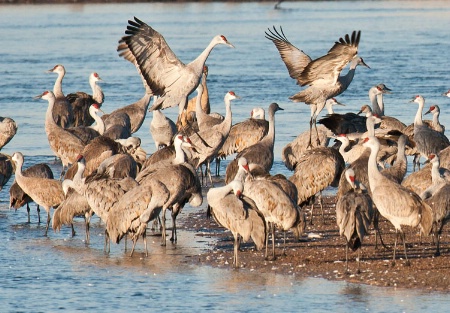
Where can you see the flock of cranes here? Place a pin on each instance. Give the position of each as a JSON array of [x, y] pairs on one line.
[[106, 172]]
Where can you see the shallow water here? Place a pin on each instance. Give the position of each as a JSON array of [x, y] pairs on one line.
[[405, 43]]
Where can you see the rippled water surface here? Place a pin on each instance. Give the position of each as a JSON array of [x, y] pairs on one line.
[[405, 43]]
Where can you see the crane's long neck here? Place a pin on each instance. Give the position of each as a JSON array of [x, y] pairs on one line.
[[215, 195], [180, 156], [401, 145], [49, 120], [372, 168], [380, 103], [346, 79], [374, 102], [370, 125], [99, 123], [435, 175], [205, 96], [329, 107], [418, 118], [199, 62], [344, 145], [226, 123], [97, 92], [436, 118], [240, 175], [270, 137], [57, 88]]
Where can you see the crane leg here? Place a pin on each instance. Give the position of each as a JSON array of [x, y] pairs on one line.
[[236, 248], [144, 238], [267, 241], [437, 237], [376, 218], [284, 243], [175, 210], [346, 256], [358, 271], [28, 213], [87, 221], [310, 130], [134, 245], [48, 223], [317, 132], [208, 169], [39, 214], [73, 230], [163, 224], [402, 235]]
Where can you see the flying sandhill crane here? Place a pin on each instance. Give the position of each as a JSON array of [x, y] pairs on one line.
[[238, 214], [82, 101], [18, 198], [135, 112], [162, 129], [64, 144], [6, 169], [45, 192], [276, 206], [134, 210], [401, 207], [354, 214], [8, 129], [87, 133], [427, 140], [259, 154], [243, 135], [164, 75], [209, 140], [188, 115], [317, 169], [322, 75], [62, 111]]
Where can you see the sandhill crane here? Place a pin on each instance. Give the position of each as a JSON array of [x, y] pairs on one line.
[[402, 207], [435, 124], [208, 141], [243, 135], [164, 75], [238, 214], [62, 110], [134, 210], [6, 169], [136, 113], [397, 171], [261, 153], [8, 129], [276, 206], [81, 101], [354, 214], [101, 191], [119, 126], [87, 133], [317, 169], [187, 115], [322, 74], [18, 198], [388, 123], [64, 144], [446, 94], [45, 192], [427, 140], [162, 129], [438, 197]]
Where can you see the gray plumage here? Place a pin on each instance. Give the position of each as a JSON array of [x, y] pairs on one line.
[[6, 169], [162, 129], [8, 129], [259, 154], [397, 171], [87, 133], [354, 214], [322, 75], [45, 192], [62, 112], [135, 209], [163, 74], [18, 198], [238, 214], [82, 101]]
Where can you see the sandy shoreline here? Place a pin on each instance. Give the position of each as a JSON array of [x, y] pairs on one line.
[[322, 254]]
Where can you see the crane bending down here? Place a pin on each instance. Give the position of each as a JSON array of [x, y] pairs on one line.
[[322, 75], [163, 74], [354, 214]]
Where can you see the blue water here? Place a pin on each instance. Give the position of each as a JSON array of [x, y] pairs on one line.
[[404, 42]]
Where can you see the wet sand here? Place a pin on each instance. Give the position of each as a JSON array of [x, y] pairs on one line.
[[320, 252]]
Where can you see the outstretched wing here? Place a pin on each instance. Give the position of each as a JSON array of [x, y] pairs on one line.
[[294, 59], [149, 52], [328, 67]]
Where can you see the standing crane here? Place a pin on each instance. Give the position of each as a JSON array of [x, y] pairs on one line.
[[354, 214], [322, 75], [162, 129], [238, 214], [62, 111], [401, 207], [163, 74], [82, 101], [45, 192], [259, 154]]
